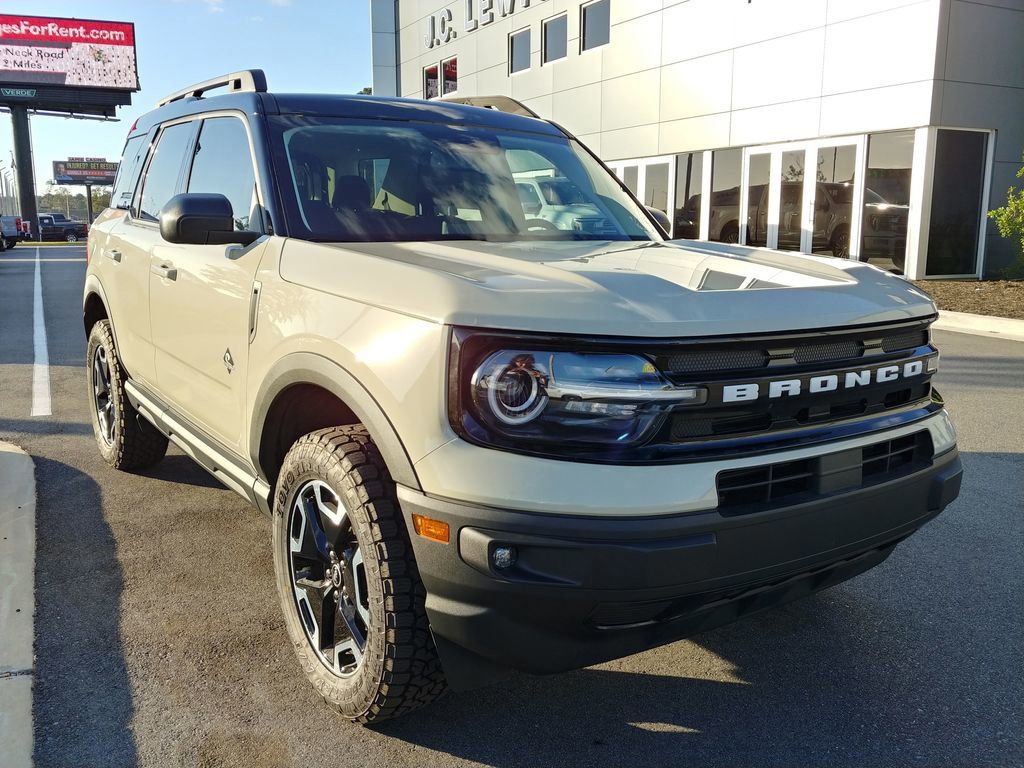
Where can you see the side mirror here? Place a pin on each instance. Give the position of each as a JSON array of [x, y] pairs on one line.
[[201, 218], [661, 217]]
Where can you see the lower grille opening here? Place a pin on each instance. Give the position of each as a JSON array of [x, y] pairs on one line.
[[755, 489]]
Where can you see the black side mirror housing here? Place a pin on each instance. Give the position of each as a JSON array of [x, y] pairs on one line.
[[201, 218], [661, 217]]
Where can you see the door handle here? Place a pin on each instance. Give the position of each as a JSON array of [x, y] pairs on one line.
[[166, 271], [114, 255]]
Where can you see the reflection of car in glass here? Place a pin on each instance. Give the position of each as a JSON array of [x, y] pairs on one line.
[[557, 203], [884, 224]]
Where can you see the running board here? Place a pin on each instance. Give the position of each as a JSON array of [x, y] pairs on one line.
[[207, 453]]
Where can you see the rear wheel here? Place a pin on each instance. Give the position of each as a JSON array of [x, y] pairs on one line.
[[125, 440], [352, 598], [731, 233], [71, 237]]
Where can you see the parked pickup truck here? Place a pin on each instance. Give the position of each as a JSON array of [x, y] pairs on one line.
[[485, 440], [57, 226], [12, 230]]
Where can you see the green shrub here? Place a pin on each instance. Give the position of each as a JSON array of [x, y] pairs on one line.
[[1010, 220]]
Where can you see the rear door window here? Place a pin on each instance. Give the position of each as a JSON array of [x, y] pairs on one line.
[[164, 171], [222, 163], [128, 172]]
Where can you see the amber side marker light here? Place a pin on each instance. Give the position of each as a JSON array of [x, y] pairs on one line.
[[435, 530]]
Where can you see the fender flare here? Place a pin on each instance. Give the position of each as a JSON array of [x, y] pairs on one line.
[[309, 368], [94, 286]]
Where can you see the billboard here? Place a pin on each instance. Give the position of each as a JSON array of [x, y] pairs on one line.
[[76, 53], [76, 170]]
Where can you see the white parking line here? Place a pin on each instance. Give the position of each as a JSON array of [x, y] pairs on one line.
[[41, 364]]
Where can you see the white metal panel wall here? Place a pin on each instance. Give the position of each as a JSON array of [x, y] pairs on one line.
[[678, 74]]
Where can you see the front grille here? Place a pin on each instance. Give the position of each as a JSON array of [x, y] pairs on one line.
[[754, 489], [829, 352], [715, 360], [907, 340], [833, 348]]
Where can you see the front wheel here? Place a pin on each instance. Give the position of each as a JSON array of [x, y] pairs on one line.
[[125, 441], [352, 597], [10, 242], [841, 244]]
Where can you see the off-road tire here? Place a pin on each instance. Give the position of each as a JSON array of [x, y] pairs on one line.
[[400, 670], [136, 444]]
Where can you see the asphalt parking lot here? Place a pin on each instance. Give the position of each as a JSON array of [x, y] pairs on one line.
[[159, 640]]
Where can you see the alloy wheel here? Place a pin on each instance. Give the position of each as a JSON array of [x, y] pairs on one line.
[[71, 237], [328, 577], [103, 399]]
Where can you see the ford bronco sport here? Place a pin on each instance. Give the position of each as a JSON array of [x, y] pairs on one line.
[[488, 442]]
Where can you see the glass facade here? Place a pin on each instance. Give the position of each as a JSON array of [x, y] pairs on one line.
[[596, 24], [953, 233], [430, 82], [689, 180], [450, 76], [556, 39], [726, 167], [519, 51], [834, 190], [758, 178], [887, 198]]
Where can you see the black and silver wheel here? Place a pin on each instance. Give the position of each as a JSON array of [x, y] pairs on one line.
[[352, 597], [10, 242], [841, 244], [71, 237], [124, 440], [328, 577]]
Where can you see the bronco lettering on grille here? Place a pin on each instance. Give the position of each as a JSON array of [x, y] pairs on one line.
[[885, 374]]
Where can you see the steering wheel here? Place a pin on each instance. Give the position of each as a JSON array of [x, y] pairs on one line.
[[533, 225]]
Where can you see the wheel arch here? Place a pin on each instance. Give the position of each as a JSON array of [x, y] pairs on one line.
[[94, 304], [303, 392]]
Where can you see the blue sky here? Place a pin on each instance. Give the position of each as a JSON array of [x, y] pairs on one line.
[[302, 45]]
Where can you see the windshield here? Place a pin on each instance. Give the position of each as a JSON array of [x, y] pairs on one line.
[[370, 181]]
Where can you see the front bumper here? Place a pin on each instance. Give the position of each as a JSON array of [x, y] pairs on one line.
[[589, 589]]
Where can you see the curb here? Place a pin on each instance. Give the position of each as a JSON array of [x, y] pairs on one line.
[[17, 603], [980, 325]]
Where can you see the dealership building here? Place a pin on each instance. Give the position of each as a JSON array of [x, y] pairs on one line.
[[879, 129]]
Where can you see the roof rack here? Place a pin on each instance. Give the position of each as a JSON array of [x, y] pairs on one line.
[[246, 81], [497, 103]]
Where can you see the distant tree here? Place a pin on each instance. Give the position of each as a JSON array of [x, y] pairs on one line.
[[367, 91]]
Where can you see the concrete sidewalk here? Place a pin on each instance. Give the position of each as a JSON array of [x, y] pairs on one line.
[[17, 601], [980, 325]]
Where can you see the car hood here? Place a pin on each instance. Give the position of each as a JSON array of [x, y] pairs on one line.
[[682, 288]]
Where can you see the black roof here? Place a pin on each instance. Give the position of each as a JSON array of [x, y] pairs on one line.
[[353, 106]]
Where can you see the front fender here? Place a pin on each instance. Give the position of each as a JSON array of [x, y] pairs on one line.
[[309, 368]]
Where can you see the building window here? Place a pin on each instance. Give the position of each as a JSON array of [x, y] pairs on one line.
[[689, 180], [430, 83], [450, 76], [887, 199], [596, 24], [556, 39], [957, 189], [519, 51], [726, 166]]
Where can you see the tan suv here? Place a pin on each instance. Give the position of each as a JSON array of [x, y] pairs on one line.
[[487, 441]]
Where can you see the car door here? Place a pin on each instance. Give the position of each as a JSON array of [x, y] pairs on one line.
[[132, 239], [200, 294]]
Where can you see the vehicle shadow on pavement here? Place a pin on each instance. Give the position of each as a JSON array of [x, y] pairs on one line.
[[179, 468], [83, 700]]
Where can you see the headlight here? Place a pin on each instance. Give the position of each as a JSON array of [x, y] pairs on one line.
[[547, 400]]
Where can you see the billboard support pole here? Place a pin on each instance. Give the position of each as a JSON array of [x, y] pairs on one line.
[[88, 203], [25, 175]]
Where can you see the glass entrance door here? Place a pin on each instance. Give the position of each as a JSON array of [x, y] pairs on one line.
[[649, 179], [804, 196]]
